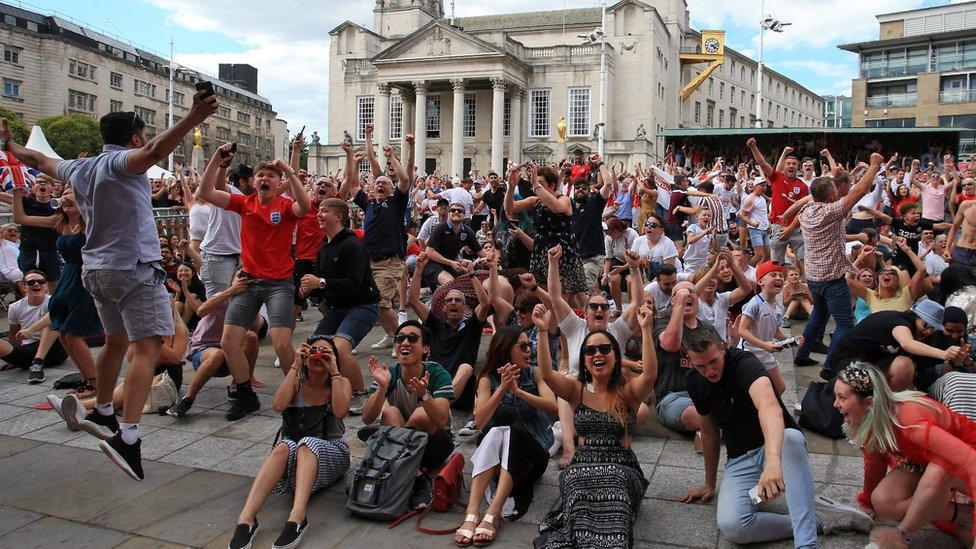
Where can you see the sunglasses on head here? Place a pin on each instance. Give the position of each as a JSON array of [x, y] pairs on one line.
[[412, 338], [598, 306], [603, 348], [35, 282]]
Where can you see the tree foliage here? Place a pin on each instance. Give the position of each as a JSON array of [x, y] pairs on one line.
[[72, 134], [21, 131]]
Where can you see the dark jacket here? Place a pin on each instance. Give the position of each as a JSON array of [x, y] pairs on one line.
[[343, 263]]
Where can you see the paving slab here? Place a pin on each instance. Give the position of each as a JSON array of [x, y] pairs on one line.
[[14, 445], [254, 428], [26, 423], [674, 522], [12, 518], [207, 452], [140, 542], [198, 525], [53, 532], [42, 467]]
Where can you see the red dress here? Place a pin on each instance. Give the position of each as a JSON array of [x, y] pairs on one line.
[[931, 435]]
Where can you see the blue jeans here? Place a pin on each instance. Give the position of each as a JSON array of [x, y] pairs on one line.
[[739, 520], [829, 298]]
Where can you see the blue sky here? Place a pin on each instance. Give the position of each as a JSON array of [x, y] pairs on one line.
[[289, 43]]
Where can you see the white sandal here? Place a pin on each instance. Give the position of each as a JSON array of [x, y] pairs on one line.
[[466, 534], [496, 526]]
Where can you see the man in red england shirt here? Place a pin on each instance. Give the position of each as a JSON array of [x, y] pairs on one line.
[[308, 236], [268, 221], [786, 188]]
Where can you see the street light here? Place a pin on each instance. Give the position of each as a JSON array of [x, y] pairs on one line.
[[599, 35], [774, 25]]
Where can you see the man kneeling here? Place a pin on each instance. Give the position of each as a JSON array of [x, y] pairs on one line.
[[766, 450], [413, 394]]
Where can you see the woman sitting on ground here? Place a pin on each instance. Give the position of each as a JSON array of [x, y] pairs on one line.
[[929, 450], [512, 409], [603, 485], [311, 455]]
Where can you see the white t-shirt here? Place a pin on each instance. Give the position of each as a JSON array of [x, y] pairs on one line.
[[223, 236], [716, 314], [758, 211], [615, 248], [461, 196], [934, 264], [662, 301], [725, 198], [24, 314], [657, 253], [696, 254], [199, 220], [766, 318], [575, 330]]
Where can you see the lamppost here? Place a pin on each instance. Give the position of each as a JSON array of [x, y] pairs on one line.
[[599, 35], [774, 25]]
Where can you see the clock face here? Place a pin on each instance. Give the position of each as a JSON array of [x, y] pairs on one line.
[[712, 45]]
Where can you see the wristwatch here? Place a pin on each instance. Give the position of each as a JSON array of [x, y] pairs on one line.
[[321, 283]]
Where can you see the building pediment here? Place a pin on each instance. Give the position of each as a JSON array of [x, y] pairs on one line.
[[537, 149], [573, 147], [437, 40]]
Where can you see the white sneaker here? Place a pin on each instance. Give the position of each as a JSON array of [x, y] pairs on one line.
[[837, 517], [277, 363], [401, 317], [557, 439], [384, 343], [70, 409], [468, 429]]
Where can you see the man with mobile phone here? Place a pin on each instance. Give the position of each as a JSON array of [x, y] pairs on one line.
[[121, 262]]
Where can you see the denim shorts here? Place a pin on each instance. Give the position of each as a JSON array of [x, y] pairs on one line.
[[48, 262], [217, 271], [277, 295], [131, 301], [351, 324], [759, 237], [670, 407], [197, 358]]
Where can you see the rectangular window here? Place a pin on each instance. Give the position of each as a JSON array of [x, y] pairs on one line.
[[711, 85], [223, 134], [115, 106], [539, 113], [244, 138], [579, 111], [721, 90], [258, 143], [81, 69], [223, 112], [364, 115], [11, 88], [433, 117], [697, 112], [81, 101], [257, 121], [732, 94], [11, 54], [508, 115], [178, 98], [115, 80], [396, 116], [147, 115], [243, 118], [144, 88], [710, 114], [470, 106], [721, 117]]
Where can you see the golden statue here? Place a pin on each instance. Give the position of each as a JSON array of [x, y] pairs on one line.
[[561, 129], [197, 137]]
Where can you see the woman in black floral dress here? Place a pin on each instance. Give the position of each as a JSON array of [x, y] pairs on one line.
[[552, 217], [602, 488]]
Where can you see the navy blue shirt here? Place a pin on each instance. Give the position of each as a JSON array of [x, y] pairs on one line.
[[588, 225], [385, 234]]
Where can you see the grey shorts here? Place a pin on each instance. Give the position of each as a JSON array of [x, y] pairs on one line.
[[217, 271], [593, 270], [670, 407], [133, 301], [277, 295]]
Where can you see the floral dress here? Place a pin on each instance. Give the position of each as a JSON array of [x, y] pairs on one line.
[[553, 228]]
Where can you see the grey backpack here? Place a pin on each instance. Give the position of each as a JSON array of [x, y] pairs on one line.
[[382, 484]]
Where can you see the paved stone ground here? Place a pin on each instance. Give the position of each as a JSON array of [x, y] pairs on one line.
[[58, 489]]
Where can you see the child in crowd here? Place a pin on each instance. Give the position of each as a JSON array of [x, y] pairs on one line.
[[761, 320], [796, 296]]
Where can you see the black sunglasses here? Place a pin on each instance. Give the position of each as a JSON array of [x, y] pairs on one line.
[[603, 348], [524, 346], [598, 306], [412, 338], [651, 225], [35, 282], [457, 210], [453, 300]]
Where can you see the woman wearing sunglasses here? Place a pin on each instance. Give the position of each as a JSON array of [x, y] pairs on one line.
[[603, 485], [512, 408], [310, 455]]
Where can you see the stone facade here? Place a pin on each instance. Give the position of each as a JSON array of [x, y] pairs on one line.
[[508, 79], [52, 67]]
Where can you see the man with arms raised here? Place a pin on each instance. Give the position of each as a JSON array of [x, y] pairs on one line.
[[121, 259]]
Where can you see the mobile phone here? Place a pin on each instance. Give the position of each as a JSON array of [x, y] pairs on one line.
[[302, 131], [788, 342], [206, 87], [754, 495], [243, 274], [233, 150]]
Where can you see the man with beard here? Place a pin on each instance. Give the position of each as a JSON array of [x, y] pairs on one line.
[[493, 198], [588, 204], [220, 250], [456, 331], [786, 189], [268, 222]]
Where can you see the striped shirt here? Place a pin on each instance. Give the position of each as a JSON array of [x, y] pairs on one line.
[[719, 216], [823, 241], [399, 396]]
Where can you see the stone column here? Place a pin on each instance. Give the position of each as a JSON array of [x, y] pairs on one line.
[[498, 124], [407, 124], [420, 125], [381, 117], [515, 126], [457, 129]]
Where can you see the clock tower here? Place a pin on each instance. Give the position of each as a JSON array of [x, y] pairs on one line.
[[712, 52]]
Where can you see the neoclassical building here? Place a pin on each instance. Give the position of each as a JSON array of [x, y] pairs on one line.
[[478, 91]]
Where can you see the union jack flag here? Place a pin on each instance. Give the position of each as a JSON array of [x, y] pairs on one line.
[[14, 174]]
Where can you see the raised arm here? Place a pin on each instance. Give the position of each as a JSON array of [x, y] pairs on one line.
[[413, 296], [863, 185], [641, 386], [512, 206], [560, 309], [830, 159], [767, 170], [21, 217], [411, 157], [159, 147], [885, 218], [374, 163], [216, 169], [30, 157], [403, 180], [782, 158], [302, 204], [564, 387], [350, 174]]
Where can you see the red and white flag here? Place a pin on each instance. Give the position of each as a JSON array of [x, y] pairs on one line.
[[13, 173]]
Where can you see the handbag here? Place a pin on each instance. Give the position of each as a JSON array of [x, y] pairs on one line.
[[448, 485], [817, 411], [162, 394], [298, 422]]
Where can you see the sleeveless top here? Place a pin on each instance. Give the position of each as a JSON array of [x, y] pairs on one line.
[[515, 412]]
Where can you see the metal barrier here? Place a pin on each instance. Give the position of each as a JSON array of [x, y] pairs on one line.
[[170, 221]]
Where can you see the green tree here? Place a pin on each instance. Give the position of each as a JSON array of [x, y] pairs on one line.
[[72, 134], [21, 131]]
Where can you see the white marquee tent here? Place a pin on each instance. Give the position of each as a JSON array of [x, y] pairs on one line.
[[39, 143]]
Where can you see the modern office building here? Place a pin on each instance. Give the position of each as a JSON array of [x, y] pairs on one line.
[[478, 91], [837, 111], [53, 66]]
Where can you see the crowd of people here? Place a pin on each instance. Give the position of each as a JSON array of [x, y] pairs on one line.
[[716, 265]]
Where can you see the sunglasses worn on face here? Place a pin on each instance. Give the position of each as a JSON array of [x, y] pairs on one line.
[[524, 346], [35, 282], [598, 306], [412, 338], [651, 225], [603, 348], [457, 210], [453, 300]]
